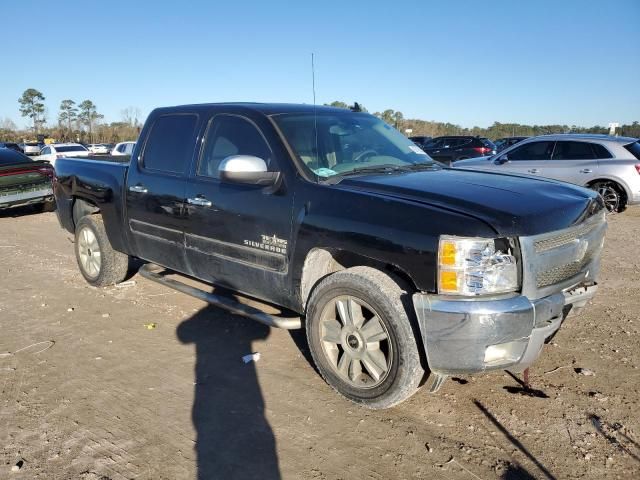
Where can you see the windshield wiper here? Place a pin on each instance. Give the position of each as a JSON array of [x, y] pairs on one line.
[[374, 169], [423, 166]]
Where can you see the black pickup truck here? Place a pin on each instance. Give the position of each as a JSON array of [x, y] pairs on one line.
[[403, 271]]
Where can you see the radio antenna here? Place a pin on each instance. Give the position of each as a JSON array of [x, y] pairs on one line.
[[315, 113]]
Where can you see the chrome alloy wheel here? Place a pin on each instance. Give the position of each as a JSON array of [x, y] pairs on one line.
[[89, 251], [610, 196], [356, 342]]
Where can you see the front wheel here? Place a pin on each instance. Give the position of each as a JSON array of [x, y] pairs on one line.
[[99, 263], [361, 338]]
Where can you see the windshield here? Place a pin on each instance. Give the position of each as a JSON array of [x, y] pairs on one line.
[[331, 144]]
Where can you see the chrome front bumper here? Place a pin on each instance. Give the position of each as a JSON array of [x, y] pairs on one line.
[[470, 336]]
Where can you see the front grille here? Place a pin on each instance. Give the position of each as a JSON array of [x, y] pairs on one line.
[[562, 239], [560, 273], [558, 260]]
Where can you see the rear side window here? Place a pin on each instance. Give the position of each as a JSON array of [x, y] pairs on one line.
[[7, 157], [532, 151], [573, 151], [600, 151], [170, 143], [230, 135], [46, 151], [634, 149]]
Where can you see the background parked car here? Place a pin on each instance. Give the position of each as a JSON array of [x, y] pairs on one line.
[[506, 142], [24, 181], [57, 150], [420, 140], [32, 148], [609, 165], [98, 149], [12, 146], [123, 148], [453, 148]]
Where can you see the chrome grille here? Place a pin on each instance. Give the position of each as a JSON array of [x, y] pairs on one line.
[[560, 273], [562, 239], [555, 261]]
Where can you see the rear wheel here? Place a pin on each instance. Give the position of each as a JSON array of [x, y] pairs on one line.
[[612, 194], [361, 339], [99, 263]]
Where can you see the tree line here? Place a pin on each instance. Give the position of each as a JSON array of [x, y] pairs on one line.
[[496, 130], [81, 122], [76, 122]]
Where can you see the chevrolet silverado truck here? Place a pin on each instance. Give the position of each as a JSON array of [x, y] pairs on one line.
[[402, 271]]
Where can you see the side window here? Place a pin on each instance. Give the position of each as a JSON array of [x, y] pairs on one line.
[[46, 151], [532, 151], [600, 151], [230, 135], [170, 143], [573, 151]]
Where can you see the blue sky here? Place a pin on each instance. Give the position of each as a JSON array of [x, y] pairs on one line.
[[465, 62]]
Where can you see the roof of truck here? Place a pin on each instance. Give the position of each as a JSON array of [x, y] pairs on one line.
[[264, 108]]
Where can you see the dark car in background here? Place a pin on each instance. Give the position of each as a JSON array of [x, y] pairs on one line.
[[420, 140], [24, 181], [453, 148], [12, 146], [506, 142]]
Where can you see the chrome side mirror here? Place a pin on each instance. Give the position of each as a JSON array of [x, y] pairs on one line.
[[246, 169]]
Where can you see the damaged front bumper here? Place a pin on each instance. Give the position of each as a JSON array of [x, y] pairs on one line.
[[470, 336]]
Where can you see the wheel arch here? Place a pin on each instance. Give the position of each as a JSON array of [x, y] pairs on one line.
[[623, 187], [320, 262], [80, 207]]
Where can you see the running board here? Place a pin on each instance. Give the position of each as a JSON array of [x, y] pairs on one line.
[[233, 306]]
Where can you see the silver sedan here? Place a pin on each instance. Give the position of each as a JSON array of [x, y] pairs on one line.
[[609, 165]]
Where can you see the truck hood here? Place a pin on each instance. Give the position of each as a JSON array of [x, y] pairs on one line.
[[513, 205]]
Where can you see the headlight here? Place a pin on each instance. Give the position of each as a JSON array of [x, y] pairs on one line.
[[476, 266]]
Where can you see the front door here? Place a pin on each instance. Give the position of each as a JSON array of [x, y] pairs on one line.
[[236, 234], [155, 190], [528, 159]]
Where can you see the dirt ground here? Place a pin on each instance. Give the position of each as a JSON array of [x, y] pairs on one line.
[[88, 391]]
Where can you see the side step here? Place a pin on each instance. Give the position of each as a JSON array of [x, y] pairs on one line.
[[152, 272]]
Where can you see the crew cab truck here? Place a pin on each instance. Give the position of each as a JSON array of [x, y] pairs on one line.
[[402, 271]]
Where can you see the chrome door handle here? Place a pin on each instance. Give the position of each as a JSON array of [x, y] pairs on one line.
[[138, 189], [534, 170], [200, 201], [586, 170]]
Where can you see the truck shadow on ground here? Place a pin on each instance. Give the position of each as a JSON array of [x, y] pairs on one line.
[[234, 439]]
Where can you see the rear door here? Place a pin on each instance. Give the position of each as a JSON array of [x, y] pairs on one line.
[[237, 234], [573, 162], [155, 190]]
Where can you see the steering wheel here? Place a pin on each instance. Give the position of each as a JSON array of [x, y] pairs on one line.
[[362, 155]]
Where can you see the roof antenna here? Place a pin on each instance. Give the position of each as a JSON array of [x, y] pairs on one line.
[[315, 113]]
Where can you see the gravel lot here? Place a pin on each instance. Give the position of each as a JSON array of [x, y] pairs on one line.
[[89, 390]]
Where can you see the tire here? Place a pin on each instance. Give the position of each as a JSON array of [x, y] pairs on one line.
[[98, 262], [613, 195], [375, 364]]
